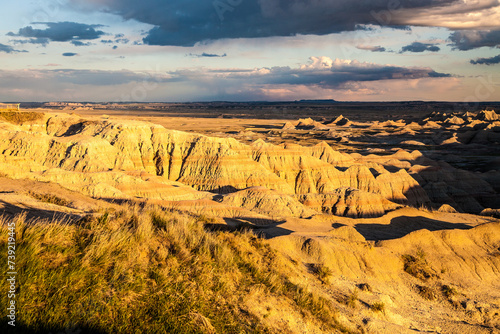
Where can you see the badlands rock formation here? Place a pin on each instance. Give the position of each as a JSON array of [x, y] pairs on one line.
[[441, 135], [131, 159]]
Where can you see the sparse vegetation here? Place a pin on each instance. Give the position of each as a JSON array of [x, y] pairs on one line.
[[206, 220], [365, 287], [17, 117], [149, 271], [49, 198], [426, 208], [427, 292], [378, 307], [448, 291], [352, 299], [323, 272], [417, 266]]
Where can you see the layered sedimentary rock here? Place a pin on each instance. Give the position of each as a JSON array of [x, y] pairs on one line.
[[349, 202], [131, 159]]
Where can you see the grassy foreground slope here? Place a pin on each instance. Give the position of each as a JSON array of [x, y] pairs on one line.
[[152, 271]]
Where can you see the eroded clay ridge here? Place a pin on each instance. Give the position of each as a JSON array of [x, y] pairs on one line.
[[131, 159]]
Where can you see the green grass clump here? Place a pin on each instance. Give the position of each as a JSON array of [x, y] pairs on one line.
[[20, 117], [49, 198], [146, 270]]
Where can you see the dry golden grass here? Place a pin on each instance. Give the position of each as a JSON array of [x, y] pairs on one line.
[[50, 198], [352, 299], [146, 270], [378, 307], [17, 117]]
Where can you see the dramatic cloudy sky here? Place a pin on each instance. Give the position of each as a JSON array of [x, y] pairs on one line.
[[249, 50]]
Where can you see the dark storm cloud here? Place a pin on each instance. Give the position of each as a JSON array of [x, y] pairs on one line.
[[321, 72], [186, 22], [61, 31], [70, 54], [471, 39], [8, 49], [486, 61], [420, 47]]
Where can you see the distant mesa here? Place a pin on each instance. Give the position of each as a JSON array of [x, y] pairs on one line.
[[340, 121]]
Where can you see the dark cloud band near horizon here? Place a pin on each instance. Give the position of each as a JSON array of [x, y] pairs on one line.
[[319, 72], [187, 22]]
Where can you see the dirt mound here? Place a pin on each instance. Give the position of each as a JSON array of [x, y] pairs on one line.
[[340, 121], [455, 120], [268, 202], [288, 126], [349, 202]]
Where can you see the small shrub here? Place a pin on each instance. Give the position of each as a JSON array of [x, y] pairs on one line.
[[352, 299], [323, 272], [427, 292], [448, 291], [378, 307], [417, 266], [365, 287]]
